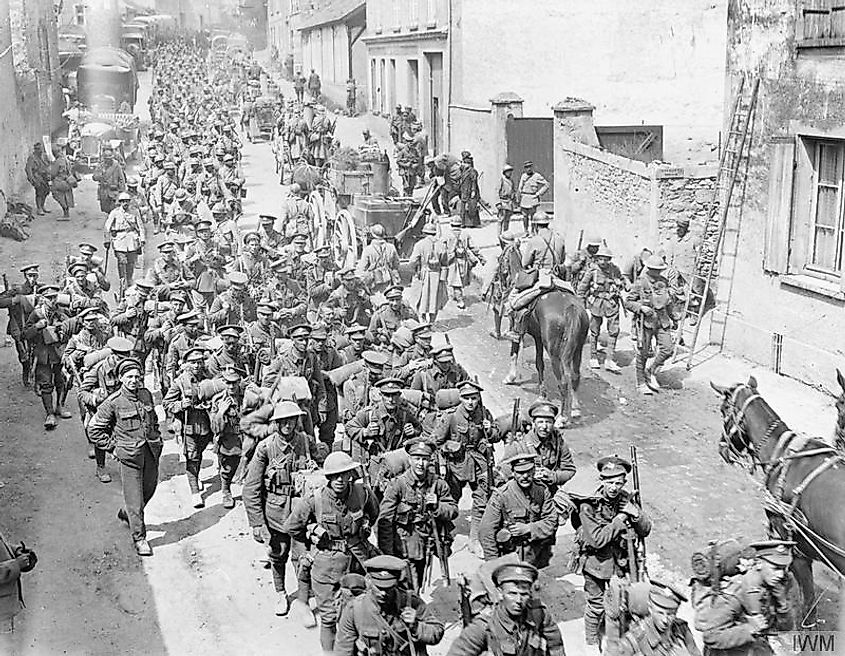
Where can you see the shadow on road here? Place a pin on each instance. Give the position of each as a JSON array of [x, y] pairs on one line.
[[189, 526]]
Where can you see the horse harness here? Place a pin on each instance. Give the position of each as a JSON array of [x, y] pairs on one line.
[[790, 447]]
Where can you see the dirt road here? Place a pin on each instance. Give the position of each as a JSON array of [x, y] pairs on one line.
[[205, 590]]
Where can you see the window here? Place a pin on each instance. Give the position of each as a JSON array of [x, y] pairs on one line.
[[821, 23], [79, 14], [432, 13], [826, 215]]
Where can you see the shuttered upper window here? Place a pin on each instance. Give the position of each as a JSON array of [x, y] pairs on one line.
[[826, 216], [821, 23]]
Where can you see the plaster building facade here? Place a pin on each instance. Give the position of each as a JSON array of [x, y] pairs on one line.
[[784, 292]]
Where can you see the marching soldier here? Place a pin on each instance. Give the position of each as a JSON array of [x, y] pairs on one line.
[[271, 241], [297, 360], [531, 187], [356, 336], [351, 298], [662, 631], [555, 465], [184, 401], [235, 305], [378, 267], [92, 337], [328, 359], [320, 278], [231, 354], [428, 259], [545, 249], [583, 260], [387, 620], [132, 319], [358, 391], [462, 255], [110, 179], [337, 520], [520, 516], [124, 233], [98, 383], [84, 292], [225, 416], [269, 491], [169, 273], [421, 349], [93, 263], [601, 288], [182, 342], [417, 510], [508, 266], [443, 373], [18, 316], [126, 425], [385, 425], [290, 299], [48, 329], [605, 520], [466, 436], [253, 261], [765, 590], [653, 300], [263, 336], [519, 624], [389, 317]]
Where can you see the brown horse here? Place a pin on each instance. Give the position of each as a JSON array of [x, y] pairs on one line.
[[804, 477], [559, 324]]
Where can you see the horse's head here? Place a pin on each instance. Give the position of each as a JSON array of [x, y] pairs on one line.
[[735, 445]]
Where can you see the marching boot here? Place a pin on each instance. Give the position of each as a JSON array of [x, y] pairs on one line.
[[50, 418], [228, 501], [609, 361], [25, 375], [62, 412], [651, 379], [282, 605]]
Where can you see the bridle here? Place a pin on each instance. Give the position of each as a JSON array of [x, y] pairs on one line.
[[735, 447]]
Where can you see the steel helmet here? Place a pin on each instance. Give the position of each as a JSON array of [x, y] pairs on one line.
[[286, 410], [338, 462]]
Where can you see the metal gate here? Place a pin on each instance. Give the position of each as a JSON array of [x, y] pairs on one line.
[[532, 139]]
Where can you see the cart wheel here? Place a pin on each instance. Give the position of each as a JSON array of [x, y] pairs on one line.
[[319, 227], [344, 240]]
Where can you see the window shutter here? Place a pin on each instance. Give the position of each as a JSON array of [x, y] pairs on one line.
[[816, 18], [779, 216]]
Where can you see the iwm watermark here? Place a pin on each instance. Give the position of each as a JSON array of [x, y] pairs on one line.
[[811, 643]]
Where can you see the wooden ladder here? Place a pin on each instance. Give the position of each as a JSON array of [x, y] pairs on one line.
[[700, 280]]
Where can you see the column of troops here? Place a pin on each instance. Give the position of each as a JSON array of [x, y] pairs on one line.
[[294, 372]]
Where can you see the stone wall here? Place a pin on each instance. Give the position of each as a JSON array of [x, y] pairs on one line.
[[629, 204]]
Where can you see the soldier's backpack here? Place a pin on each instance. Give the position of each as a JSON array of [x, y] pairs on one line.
[[718, 560]]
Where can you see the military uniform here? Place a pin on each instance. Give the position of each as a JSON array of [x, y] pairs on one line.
[[124, 232], [341, 527], [48, 344], [404, 523], [466, 453], [224, 358], [369, 448], [225, 416], [553, 454], [724, 622], [291, 362], [601, 288], [462, 256], [545, 250], [290, 299], [269, 494], [661, 298], [436, 377], [385, 321], [378, 266], [366, 627], [601, 540], [528, 192], [354, 303], [196, 424], [316, 284], [534, 632], [132, 320], [229, 308], [126, 425], [262, 341]]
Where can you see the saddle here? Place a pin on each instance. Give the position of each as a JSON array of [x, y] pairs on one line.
[[545, 283]]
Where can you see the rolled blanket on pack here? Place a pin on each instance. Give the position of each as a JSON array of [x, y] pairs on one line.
[[94, 357], [210, 388], [344, 372], [448, 397], [292, 388]]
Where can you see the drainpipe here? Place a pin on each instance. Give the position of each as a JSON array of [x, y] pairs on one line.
[[449, 86]]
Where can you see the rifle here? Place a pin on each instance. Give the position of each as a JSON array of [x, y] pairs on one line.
[[514, 418], [466, 606], [637, 495], [106, 262]]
